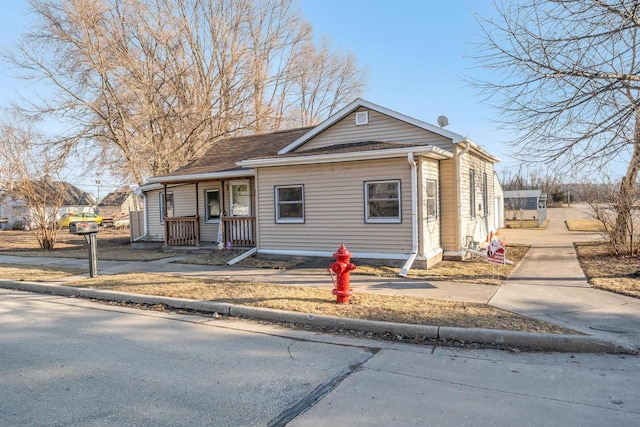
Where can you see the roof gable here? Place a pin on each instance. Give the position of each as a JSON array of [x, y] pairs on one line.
[[359, 104], [116, 198]]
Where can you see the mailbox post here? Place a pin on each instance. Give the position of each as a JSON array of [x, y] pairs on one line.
[[89, 230]]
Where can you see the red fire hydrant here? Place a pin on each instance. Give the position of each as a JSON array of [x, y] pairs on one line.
[[341, 267]]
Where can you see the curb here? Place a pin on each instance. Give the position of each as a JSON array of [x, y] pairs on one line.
[[548, 342]]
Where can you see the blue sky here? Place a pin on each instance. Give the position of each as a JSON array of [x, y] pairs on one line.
[[416, 53]]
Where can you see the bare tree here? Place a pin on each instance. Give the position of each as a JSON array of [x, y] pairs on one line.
[[602, 199], [148, 85], [568, 82], [29, 174]]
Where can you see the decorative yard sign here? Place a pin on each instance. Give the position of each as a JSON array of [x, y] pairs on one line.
[[496, 251]]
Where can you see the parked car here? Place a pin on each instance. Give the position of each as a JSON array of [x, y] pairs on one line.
[[78, 216]]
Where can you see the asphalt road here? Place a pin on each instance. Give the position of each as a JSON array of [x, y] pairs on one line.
[[71, 362]]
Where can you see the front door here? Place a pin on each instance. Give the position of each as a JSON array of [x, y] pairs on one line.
[[240, 198], [240, 231]]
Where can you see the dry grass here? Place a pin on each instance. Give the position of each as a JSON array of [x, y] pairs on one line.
[[321, 301], [220, 259], [608, 271], [474, 270], [529, 224], [302, 299], [588, 225], [113, 245], [39, 274]]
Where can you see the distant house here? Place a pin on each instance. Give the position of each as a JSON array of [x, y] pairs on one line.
[[119, 203], [525, 199], [14, 212], [386, 185], [525, 204]]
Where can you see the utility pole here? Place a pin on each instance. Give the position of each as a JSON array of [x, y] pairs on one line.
[[97, 210]]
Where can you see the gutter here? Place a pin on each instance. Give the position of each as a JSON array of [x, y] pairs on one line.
[[427, 150], [199, 176], [145, 210], [414, 216]]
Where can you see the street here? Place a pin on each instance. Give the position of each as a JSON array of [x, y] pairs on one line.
[[68, 361]]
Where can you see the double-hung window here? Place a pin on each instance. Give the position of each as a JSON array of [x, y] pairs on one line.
[[432, 199], [169, 210], [382, 201], [212, 205], [485, 194], [472, 193], [289, 203]]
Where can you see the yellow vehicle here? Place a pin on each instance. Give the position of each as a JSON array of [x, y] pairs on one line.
[[78, 216]]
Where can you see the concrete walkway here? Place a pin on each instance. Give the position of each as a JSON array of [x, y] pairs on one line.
[[548, 285]]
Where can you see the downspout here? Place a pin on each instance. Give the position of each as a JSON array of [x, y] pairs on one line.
[[145, 211], [414, 217], [459, 192]]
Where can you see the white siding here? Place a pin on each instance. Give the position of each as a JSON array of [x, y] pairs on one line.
[[334, 208], [429, 229], [184, 204], [155, 229], [479, 227], [381, 128], [184, 200], [449, 218]]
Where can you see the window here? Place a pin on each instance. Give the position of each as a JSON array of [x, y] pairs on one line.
[[382, 201], [289, 204], [432, 199], [212, 201], [169, 206], [472, 193], [485, 195], [362, 118]]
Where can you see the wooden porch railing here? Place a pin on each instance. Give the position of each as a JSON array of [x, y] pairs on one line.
[[182, 231], [240, 230]]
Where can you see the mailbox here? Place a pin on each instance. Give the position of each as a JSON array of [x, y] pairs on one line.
[[83, 227]]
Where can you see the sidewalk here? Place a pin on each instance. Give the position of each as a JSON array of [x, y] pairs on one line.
[[548, 285]]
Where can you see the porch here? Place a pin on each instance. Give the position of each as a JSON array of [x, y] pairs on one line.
[[185, 231]]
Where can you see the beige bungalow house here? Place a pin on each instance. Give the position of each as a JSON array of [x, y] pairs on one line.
[[386, 185]]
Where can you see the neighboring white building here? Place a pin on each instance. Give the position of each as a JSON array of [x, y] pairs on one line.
[[14, 212]]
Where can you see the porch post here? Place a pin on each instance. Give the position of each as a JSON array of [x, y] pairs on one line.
[[197, 215], [164, 215]]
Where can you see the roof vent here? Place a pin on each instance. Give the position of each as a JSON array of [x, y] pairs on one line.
[[362, 118]]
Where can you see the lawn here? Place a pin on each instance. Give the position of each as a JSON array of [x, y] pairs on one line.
[[604, 270], [608, 271], [587, 225], [298, 298]]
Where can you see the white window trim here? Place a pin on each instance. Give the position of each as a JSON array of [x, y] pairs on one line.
[[232, 202], [434, 217], [208, 220], [362, 118], [485, 194], [472, 193], [161, 203], [382, 220], [276, 194]]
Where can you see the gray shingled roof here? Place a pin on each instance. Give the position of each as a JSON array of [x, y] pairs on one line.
[[224, 154], [116, 198]]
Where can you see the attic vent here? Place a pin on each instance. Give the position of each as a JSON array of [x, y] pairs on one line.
[[362, 118]]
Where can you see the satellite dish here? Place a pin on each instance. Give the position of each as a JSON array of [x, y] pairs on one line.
[[443, 121]]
